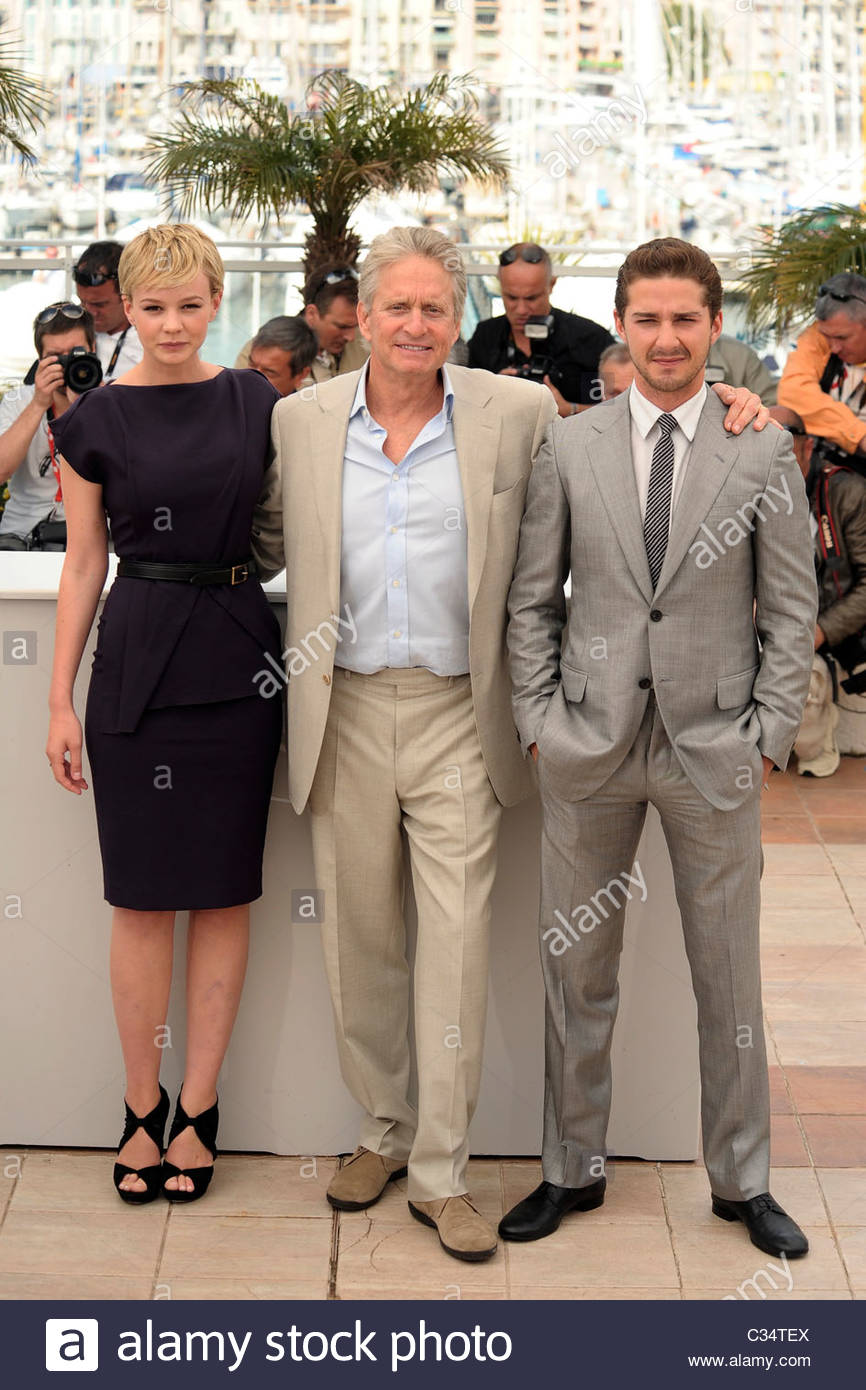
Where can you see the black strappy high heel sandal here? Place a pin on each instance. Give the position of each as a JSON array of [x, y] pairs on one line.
[[205, 1126], [154, 1127]]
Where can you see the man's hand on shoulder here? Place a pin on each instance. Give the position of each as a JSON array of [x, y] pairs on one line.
[[563, 407], [744, 406]]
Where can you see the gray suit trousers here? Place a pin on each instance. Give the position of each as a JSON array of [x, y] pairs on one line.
[[717, 862]]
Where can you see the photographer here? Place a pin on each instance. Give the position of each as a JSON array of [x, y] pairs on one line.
[[33, 517], [824, 379], [565, 358], [284, 350], [331, 311], [837, 504], [95, 274]]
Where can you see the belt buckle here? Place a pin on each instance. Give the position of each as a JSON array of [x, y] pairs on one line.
[[239, 578]]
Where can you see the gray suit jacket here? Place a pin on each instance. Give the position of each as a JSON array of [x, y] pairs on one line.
[[726, 641]]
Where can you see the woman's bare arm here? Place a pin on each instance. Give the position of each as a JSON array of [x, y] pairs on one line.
[[81, 583]]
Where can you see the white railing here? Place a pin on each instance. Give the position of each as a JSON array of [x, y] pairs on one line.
[[599, 261]]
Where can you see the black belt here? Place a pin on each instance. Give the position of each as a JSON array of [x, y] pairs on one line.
[[187, 574]]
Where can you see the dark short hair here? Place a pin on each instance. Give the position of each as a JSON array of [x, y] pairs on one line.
[[788, 419], [100, 258], [61, 324], [291, 334], [318, 292], [669, 255]]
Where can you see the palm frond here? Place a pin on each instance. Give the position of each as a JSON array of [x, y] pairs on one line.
[[24, 102], [235, 144], [244, 154], [788, 266], [10, 134]]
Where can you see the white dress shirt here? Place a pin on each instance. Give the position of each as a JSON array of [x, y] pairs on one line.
[[403, 568], [645, 435]]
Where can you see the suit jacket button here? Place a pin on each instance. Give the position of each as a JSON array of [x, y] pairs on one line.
[[645, 683], [327, 680], [656, 615]]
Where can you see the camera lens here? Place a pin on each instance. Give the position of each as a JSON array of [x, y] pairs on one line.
[[82, 371]]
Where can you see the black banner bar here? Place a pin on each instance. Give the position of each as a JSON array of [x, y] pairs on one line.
[[420, 1344]]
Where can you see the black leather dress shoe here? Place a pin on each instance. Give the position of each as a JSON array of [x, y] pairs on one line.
[[769, 1227], [540, 1213]]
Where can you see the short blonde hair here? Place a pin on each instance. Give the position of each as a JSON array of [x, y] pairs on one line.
[[401, 242], [171, 254]]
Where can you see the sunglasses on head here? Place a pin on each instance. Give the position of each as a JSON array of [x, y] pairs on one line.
[[533, 254], [92, 278], [825, 290], [335, 276], [68, 310]]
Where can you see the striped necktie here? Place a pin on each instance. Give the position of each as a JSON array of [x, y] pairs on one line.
[[658, 501]]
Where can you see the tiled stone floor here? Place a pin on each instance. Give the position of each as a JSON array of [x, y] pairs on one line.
[[265, 1230]]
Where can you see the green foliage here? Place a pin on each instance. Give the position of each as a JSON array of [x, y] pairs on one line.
[[24, 102], [239, 146], [680, 21], [789, 265]]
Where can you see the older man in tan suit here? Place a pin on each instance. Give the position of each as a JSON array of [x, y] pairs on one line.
[[395, 502]]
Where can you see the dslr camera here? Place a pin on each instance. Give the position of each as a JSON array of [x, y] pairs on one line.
[[828, 455], [538, 329], [82, 370]]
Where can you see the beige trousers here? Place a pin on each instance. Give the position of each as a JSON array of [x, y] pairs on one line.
[[401, 756]]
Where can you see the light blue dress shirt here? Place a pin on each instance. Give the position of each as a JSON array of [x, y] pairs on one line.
[[403, 565]]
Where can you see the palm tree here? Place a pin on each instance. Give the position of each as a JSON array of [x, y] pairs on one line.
[[789, 265], [241, 146], [24, 102]]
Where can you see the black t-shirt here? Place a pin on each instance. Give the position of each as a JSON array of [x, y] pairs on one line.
[[574, 347]]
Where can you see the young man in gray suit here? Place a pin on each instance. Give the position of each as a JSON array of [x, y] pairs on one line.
[[678, 677]]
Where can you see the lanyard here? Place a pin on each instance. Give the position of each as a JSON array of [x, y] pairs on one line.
[[857, 391], [831, 551], [54, 464], [118, 348]]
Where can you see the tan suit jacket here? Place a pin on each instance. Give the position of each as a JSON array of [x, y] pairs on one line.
[[351, 359], [499, 423]]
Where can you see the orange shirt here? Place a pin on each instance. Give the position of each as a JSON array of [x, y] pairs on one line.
[[800, 390]]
